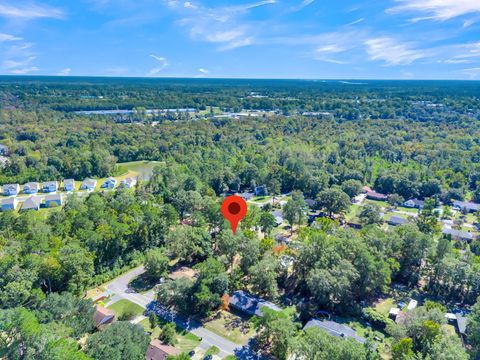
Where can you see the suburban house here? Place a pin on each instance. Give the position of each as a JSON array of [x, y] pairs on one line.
[[393, 313], [31, 188], [278, 215], [9, 204], [69, 185], [50, 186], [103, 316], [249, 304], [88, 184], [335, 329], [466, 206], [397, 220], [310, 203], [4, 150], [11, 189], [414, 204], [158, 351], [110, 183], [32, 203], [247, 195], [53, 200], [458, 234], [261, 190], [128, 183], [373, 195]]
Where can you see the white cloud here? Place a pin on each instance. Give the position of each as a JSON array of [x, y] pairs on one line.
[[473, 73], [11, 64], [22, 71], [8, 37], [225, 25], [436, 9], [29, 11], [392, 52], [204, 71], [64, 72], [163, 64]]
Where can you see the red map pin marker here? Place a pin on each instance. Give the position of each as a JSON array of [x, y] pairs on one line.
[[234, 209]]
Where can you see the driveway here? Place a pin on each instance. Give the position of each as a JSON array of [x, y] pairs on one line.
[[119, 289]]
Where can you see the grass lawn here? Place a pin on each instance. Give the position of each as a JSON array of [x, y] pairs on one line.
[[184, 341], [213, 351], [230, 326], [352, 215], [143, 169], [124, 305], [261, 199], [406, 209], [384, 306]]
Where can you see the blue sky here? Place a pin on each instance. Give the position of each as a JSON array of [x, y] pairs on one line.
[[320, 39]]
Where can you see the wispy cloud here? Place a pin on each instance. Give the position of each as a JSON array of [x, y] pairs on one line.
[[24, 71], [10, 64], [302, 5], [64, 72], [472, 73], [29, 11], [436, 9], [8, 37], [393, 52], [163, 63], [225, 25]]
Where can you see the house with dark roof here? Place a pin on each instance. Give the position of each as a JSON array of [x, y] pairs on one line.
[[50, 186], [158, 351], [32, 203], [31, 188], [103, 316], [458, 234], [335, 329], [397, 220], [53, 200], [9, 204], [466, 206], [69, 185], [414, 204], [109, 183], [11, 189], [310, 203], [249, 304], [88, 184], [373, 195], [261, 190]]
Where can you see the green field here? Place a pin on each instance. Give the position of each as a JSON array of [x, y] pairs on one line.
[[122, 306], [143, 169]]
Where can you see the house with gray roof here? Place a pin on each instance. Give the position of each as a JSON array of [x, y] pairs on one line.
[[335, 329], [31, 188], [458, 234], [32, 203], [110, 183], [466, 206], [9, 204], [53, 200], [249, 304], [128, 183], [69, 185], [50, 186], [414, 204], [4, 150], [88, 184], [397, 220], [11, 189]]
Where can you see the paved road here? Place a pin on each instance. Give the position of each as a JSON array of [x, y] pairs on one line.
[[119, 289]]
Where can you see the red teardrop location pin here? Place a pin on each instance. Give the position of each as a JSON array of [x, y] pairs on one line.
[[234, 209]]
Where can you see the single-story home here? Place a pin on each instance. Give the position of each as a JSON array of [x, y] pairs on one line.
[[397, 220], [158, 351], [261, 190], [128, 183], [53, 200], [69, 185], [50, 186], [458, 234], [373, 195], [335, 329], [103, 316], [9, 204], [4, 150], [393, 313], [110, 183], [310, 203], [31, 188], [32, 203], [468, 206], [247, 195], [249, 304], [11, 189], [88, 184], [412, 304], [414, 204]]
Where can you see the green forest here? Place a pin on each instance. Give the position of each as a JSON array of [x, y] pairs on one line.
[[407, 140]]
